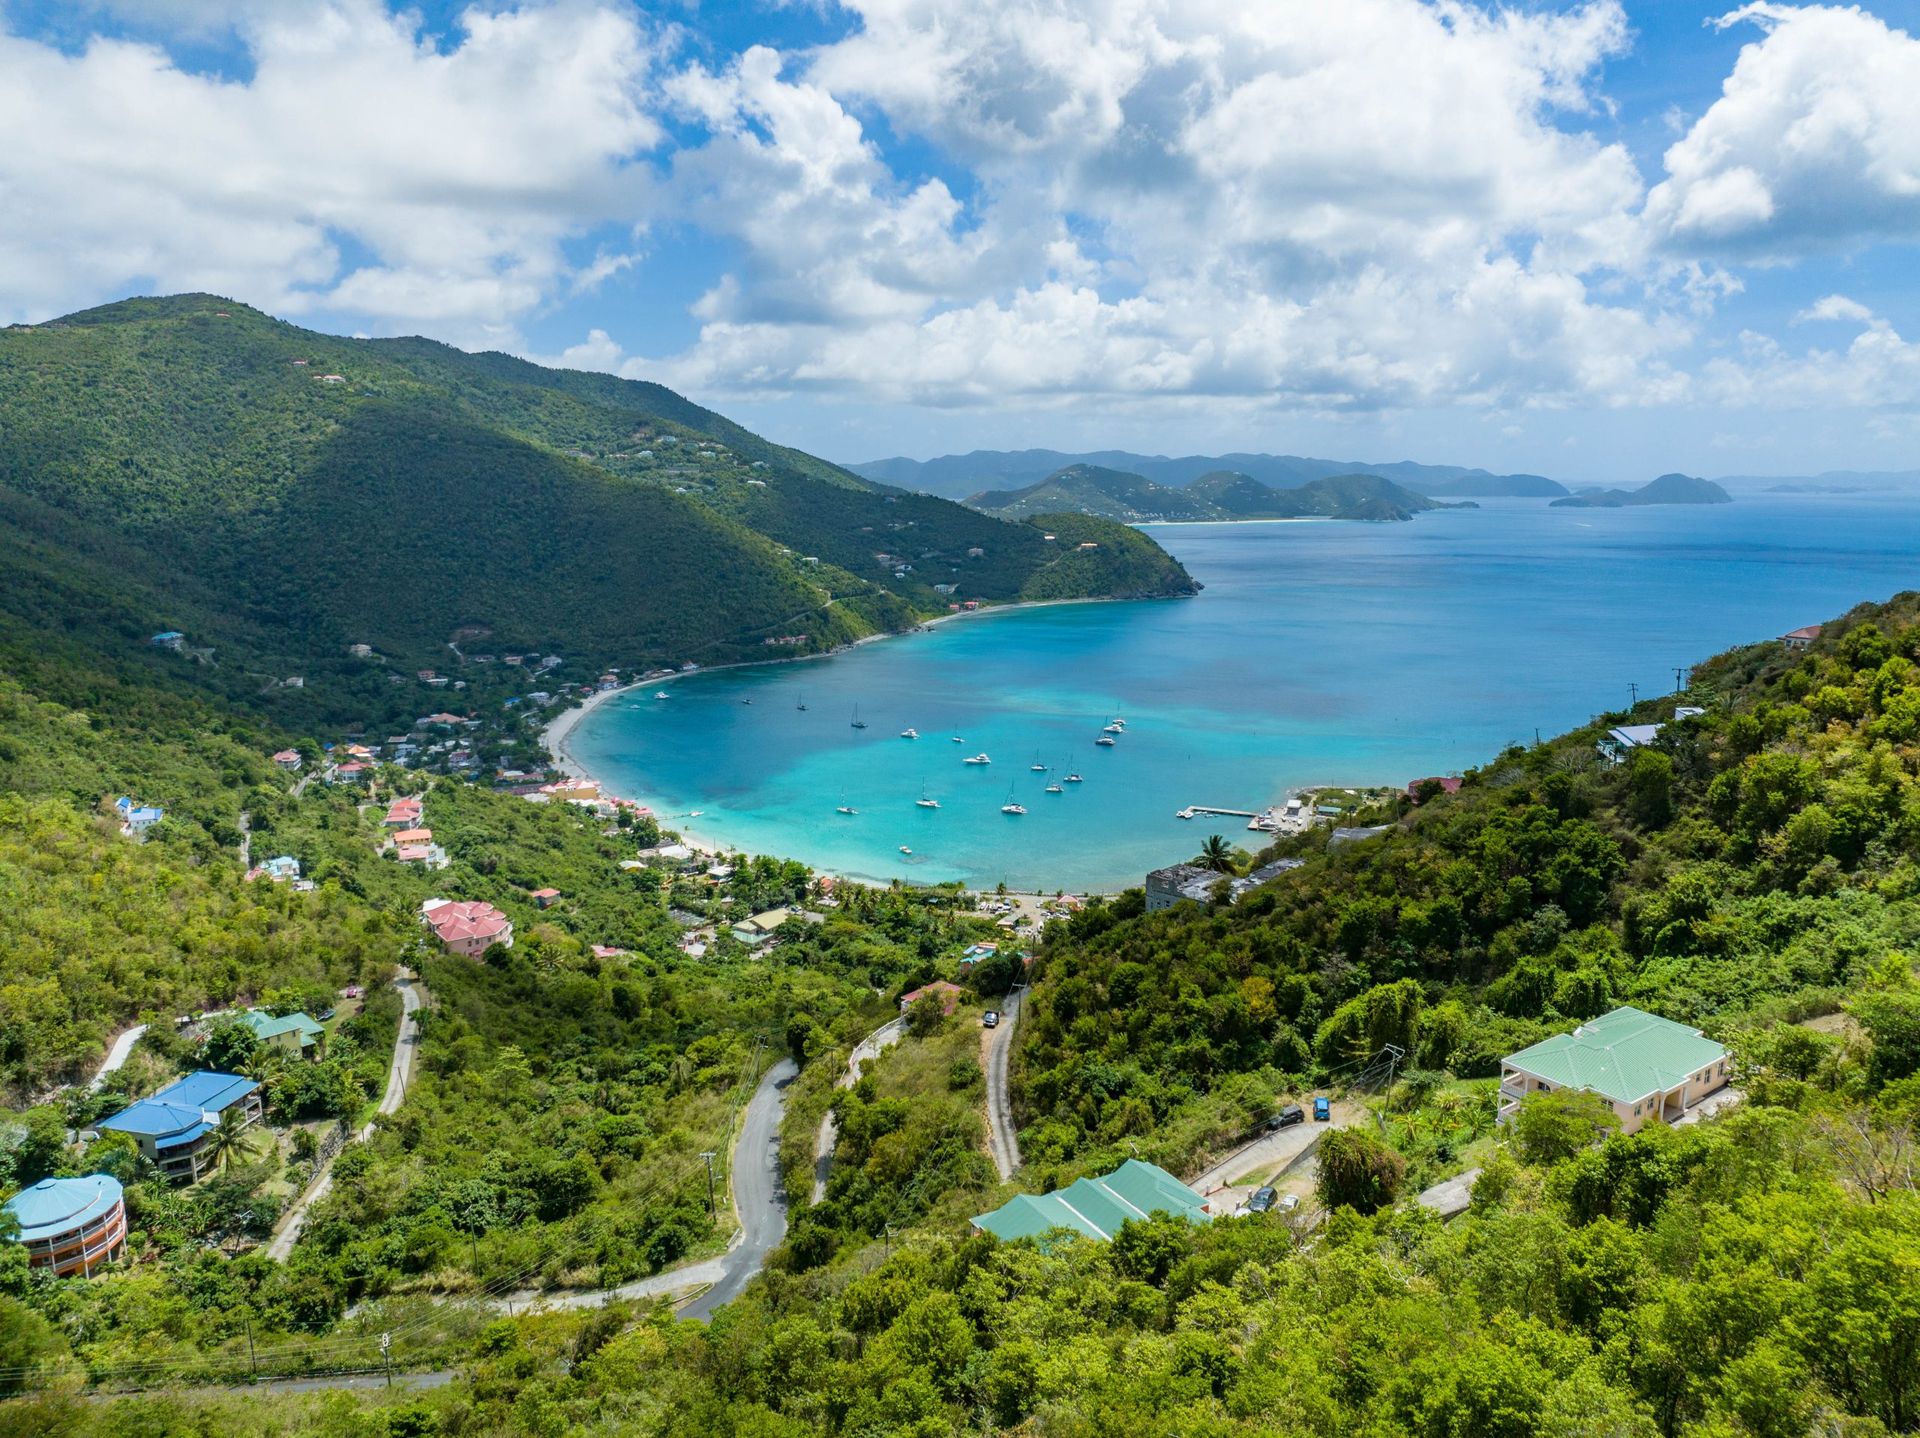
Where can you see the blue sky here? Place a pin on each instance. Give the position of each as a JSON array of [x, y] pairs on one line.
[[1597, 240]]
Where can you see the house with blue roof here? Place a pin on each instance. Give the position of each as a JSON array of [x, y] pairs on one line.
[[171, 1126], [71, 1225], [136, 818]]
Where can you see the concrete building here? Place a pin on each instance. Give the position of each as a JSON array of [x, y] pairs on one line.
[[1649, 1068], [1096, 1207], [1167, 887], [171, 1127], [71, 1225]]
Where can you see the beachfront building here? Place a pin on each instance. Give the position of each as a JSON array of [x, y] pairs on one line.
[[71, 1225], [296, 1035], [1652, 1070], [171, 1126], [467, 928], [1097, 1207]]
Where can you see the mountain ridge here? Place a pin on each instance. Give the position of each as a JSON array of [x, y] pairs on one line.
[[1222, 495]]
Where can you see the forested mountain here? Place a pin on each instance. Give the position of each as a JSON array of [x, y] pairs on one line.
[[191, 464], [959, 475], [1667, 489], [1220, 495]]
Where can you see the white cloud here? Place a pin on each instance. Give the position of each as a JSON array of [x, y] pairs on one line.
[[1334, 207], [1813, 144], [1835, 307], [459, 169]]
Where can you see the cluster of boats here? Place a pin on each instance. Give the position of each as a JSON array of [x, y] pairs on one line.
[[1013, 806]]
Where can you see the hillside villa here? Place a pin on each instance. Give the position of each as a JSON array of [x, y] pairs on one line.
[[171, 1126], [1097, 1207], [71, 1225], [947, 993], [1649, 1068], [469, 928], [296, 1035], [287, 760], [137, 818]]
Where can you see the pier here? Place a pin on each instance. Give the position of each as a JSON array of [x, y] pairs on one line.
[[1193, 810]]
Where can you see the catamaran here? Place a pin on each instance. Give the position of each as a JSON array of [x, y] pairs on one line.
[[1010, 807], [1037, 766], [1054, 788], [845, 807], [977, 759]]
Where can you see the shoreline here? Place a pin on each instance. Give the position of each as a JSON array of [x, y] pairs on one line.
[[556, 736]]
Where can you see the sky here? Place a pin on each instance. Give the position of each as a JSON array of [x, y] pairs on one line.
[[1597, 239]]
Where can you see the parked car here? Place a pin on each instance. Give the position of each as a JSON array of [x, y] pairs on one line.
[[1287, 1117], [1289, 1203], [1263, 1199], [991, 1019], [1322, 1110]]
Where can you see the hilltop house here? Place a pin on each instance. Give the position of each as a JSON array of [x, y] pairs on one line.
[[136, 819], [1796, 640], [71, 1225], [468, 928], [171, 1126], [288, 760], [403, 814], [1097, 1207], [1649, 1068], [296, 1035]]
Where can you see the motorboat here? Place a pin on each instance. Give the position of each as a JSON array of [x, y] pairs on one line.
[[1116, 727], [977, 759], [909, 733], [846, 809], [660, 694], [1105, 741], [905, 850]]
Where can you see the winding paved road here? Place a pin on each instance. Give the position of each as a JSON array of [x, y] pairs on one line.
[[864, 1053], [406, 1044], [1002, 1142], [757, 1198]]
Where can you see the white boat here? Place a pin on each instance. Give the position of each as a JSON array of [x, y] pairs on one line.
[[1055, 789], [1012, 808], [958, 740], [905, 850], [1037, 766], [924, 802], [977, 759], [1075, 779], [1116, 727], [660, 694], [858, 722], [1105, 741], [846, 809], [909, 733]]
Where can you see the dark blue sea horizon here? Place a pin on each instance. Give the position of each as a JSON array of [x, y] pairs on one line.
[[1318, 653]]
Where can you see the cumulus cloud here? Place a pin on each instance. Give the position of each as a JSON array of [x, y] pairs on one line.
[[451, 174], [1342, 207], [1813, 144]]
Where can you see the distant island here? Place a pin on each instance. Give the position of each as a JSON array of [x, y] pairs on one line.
[[956, 476], [1667, 489], [1222, 495]]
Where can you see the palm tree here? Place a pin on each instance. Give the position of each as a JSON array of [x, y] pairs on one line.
[[230, 1143], [1217, 855]]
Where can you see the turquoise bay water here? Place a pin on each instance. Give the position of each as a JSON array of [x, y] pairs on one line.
[[1318, 653]]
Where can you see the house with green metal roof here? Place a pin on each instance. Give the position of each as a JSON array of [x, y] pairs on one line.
[[296, 1035], [1096, 1207], [1649, 1068]]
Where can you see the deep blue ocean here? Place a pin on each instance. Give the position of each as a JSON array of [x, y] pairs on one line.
[[1319, 652]]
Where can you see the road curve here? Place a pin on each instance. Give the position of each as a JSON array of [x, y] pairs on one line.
[[399, 1074], [864, 1053], [1002, 1142], [758, 1196]]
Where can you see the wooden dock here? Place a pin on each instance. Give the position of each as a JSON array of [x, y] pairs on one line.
[[1194, 810]]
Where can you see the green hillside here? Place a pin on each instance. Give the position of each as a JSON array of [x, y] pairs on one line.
[[1220, 495], [278, 495], [1667, 489]]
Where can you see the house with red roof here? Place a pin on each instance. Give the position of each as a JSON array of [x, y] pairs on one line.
[[1801, 638], [1447, 785], [545, 898], [949, 995], [287, 759], [467, 927]]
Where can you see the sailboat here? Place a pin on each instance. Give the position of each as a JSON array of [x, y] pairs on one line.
[[1037, 766], [1010, 807], [801, 704], [858, 722], [958, 740], [1073, 777], [845, 807], [924, 802], [1054, 788]]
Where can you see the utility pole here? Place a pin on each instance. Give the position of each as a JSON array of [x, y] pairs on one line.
[[253, 1363], [1634, 689], [386, 1349], [713, 1204], [1679, 676]]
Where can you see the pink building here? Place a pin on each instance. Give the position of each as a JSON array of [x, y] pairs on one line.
[[465, 927]]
